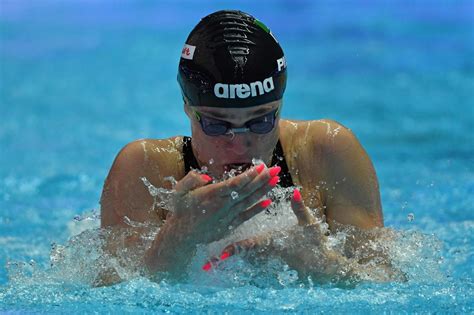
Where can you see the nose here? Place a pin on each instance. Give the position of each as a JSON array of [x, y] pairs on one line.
[[239, 143]]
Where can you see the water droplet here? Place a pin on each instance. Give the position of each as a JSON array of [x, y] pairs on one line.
[[172, 180], [234, 195], [203, 211], [287, 277], [257, 161], [410, 217], [211, 161]]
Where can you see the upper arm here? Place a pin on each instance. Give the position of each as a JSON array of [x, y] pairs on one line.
[[124, 193], [352, 194]]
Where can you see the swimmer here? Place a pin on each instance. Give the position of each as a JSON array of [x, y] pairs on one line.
[[232, 75]]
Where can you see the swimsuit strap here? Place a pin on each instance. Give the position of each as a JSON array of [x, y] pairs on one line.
[[190, 161], [278, 159]]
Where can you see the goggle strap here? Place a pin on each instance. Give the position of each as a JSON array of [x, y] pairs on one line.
[[198, 117]]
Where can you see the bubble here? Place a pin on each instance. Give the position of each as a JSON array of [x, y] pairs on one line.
[[410, 217], [404, 205], [172, 180], [161, 196], [256, 161], [230, 227], [57, 253], [234, 195], [91, 215], [287, 277], [211, 161], [203, 211]]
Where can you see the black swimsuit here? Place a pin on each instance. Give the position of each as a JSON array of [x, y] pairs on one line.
[[278, 159]]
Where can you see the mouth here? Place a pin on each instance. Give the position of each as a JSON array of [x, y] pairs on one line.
[[237, 168]]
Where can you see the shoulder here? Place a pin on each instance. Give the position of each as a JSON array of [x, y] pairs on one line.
[[317, 138], [154, 159], [150, 154], [145, 148], [316, 148], [318, 132], [328, 154], [137, 165], [313, 141]]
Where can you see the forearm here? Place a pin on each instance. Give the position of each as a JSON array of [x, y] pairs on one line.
[[305, 249], [171, 251], [126, 252], [312, 254], [123, 250]]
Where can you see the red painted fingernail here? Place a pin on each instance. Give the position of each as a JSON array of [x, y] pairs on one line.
[[296, 195], [207, 266], [265, 203], [207, 178], [225, 255], [274, 171], [260, 168], [274, 181]]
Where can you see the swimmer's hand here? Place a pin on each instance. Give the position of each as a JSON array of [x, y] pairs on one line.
[[304, 216], [324, 265], [302, 213], [204, 211], [306, 251]]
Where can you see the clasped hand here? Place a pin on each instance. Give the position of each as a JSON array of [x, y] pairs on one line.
[[204, 211]]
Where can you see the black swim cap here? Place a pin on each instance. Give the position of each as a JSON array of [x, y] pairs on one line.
[[231, 59]]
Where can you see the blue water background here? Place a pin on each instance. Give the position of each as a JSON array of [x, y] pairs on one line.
[[80, 79]]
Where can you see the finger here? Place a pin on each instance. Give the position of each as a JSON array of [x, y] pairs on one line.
[[250, 213], [266, 181], [230, 250], [254, 196], [236, 183], [192, 181], [239, 182], [239, 247], [301, 211], [210, 263]]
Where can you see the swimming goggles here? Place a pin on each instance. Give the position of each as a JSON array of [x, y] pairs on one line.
[[215, 127]]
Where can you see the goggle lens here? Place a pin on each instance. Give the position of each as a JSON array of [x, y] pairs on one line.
[[259, 125]]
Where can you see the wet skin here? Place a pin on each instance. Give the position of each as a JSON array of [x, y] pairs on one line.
[[324, 158]]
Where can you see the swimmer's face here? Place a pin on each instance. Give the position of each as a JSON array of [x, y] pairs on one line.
[[229, 151]]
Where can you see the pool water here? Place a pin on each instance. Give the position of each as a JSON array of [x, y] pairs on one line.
[[79, 80]]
